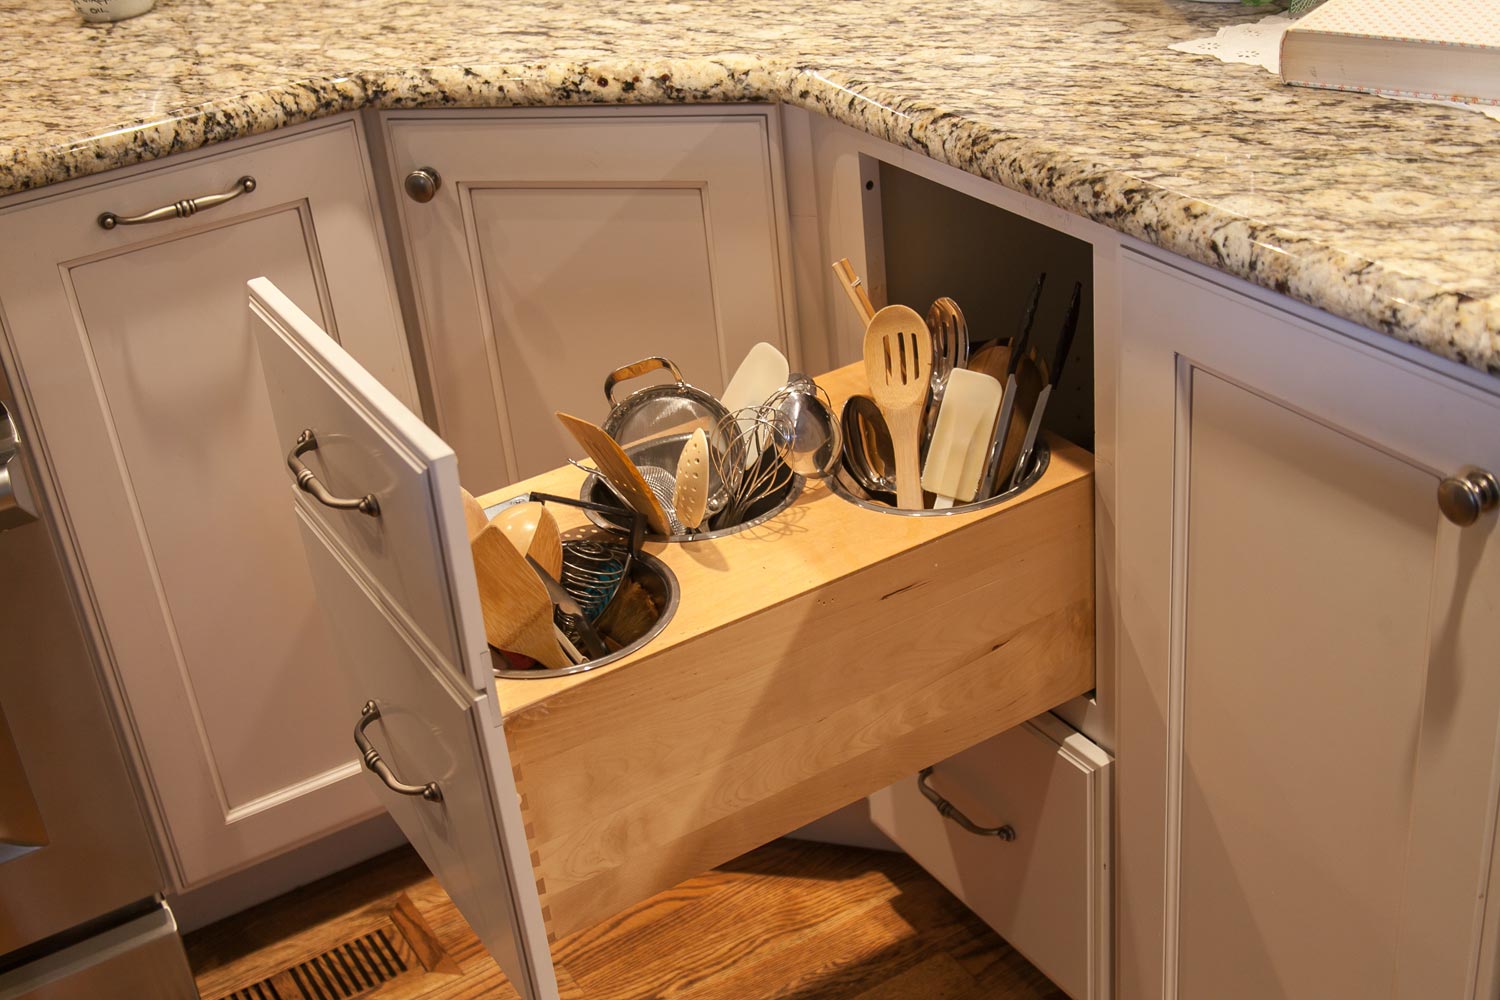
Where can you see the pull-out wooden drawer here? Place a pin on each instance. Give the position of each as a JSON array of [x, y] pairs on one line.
[[1046, 887], [812, 660]]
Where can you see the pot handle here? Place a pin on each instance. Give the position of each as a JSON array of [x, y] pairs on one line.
[[639, 368]]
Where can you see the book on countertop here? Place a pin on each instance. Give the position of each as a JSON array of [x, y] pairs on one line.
[[1446, 50]]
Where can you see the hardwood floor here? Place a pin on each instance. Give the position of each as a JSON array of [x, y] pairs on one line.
[[793, 921]]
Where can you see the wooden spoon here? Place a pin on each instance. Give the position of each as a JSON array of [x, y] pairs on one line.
[[533, 531], [617, 467], [474, 519], [690, 500], [992, 360], [517, 611], [898, 365]]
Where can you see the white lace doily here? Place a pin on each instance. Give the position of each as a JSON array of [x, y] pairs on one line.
[[1259, 44]]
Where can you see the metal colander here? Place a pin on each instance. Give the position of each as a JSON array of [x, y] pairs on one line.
[[659, 418]]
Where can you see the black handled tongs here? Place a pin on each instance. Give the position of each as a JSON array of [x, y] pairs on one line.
[[1060, 355], [987, 485]]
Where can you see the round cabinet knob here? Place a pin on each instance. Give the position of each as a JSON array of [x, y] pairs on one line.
[[422, 184], [1464, 497]]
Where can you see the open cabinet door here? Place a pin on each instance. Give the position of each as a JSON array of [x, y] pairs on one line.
[[377, 500]]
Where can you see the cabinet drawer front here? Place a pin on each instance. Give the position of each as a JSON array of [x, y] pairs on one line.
[[368, 444], [1046, 891]]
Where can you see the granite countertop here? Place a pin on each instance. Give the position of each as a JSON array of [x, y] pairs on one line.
[[1386, 213]]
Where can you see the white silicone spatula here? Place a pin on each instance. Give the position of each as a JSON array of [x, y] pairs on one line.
[[763, 371], [961, 441]]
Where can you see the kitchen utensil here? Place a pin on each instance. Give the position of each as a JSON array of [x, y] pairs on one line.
[[669, 409], [571, 651], [1029, 379], [898, 364], [1023, 329], [614, 465], [854, 289], [763, 371], [629, 616], [817, 439], [532, 529], [747, 451], [613, 489], [950, 350], [592, 573], [568, 616], [517, 611], [1006, 421], [959, 450], [690, 501], [474, 519], [761, 374], [993, 359], [868, 453], [663, 486], [1059, 355]]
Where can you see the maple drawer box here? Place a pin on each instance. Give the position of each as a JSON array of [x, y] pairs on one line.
[[813, 659]]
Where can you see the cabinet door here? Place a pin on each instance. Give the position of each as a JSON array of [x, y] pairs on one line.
[[433, 688], [559, 248], [149, 406], [1309, 700], [1045, 886]]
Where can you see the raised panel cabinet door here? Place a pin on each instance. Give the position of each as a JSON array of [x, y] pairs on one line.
[[557, 249], [1310, 707], [135, 356], [429, 719]]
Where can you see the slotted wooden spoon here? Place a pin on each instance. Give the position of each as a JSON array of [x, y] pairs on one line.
[[517, 610], [898, 364]]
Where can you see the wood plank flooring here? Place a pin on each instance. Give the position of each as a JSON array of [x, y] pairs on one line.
[[792, 920]]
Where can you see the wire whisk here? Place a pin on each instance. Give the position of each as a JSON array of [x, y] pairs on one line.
[[748, 452]]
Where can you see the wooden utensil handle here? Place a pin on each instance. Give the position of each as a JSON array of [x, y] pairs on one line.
[[904, 430], [854, 289]]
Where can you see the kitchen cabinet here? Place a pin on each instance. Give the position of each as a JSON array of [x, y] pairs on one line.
[[1308, 701], [134, 362], [1019, 828], [799, 673], [555, 242]]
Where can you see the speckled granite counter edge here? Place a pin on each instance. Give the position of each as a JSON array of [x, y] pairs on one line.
[[1444, 321]]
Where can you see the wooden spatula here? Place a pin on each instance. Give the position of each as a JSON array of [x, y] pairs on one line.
[[992, 360], [517, 611], [898, 364], [961, 442], [690, 500], [474, 519], [617, 467]]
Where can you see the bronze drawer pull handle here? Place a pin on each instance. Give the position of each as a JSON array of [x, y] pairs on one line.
[[179, 209], [948, 810], [367, 715], [308, 441]]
